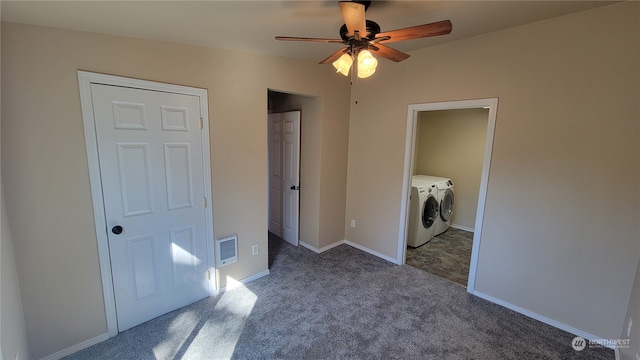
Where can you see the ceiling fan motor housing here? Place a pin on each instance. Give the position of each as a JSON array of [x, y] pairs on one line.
[[372, 30]]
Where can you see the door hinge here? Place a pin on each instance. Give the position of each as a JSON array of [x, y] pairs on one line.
[[208, 274], [204, 202], [201, 123]]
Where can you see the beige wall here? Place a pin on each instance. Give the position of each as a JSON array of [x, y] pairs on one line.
[[450, 143], [13, 335], [45, 167], [561, 213]]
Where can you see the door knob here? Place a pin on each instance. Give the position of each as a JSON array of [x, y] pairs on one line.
[[117, 229], [293, 187]]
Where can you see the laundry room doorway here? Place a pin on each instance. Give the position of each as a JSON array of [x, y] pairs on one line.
[[448, 148]]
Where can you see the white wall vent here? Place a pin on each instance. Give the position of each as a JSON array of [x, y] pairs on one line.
[[227, 250]]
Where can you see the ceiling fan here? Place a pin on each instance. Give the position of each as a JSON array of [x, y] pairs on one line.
[[363, 36]]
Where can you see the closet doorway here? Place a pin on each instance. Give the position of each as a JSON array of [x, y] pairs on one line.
[[310, 154]]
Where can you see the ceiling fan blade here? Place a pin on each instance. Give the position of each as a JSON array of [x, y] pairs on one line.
[[333, 57], [293, 38], [354, 18], [417, 32], [388, 53]]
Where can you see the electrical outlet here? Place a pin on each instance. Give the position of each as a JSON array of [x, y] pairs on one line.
[[255, 249], [629, 325], [353, 223]]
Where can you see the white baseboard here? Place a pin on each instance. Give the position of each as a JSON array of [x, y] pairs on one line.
[[544, 319], [307, 246], [372, 252], [232, 284], [322, 249], [460, 227], [352, 244], [77, 347]]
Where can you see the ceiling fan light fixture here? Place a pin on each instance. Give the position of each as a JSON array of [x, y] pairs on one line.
[[366, 64], [360, 34], [343, 64]]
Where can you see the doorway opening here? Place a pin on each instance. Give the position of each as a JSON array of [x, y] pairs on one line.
[[447, 155], [292, 176]]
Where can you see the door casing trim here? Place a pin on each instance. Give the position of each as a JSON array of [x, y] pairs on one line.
[[85, 80]]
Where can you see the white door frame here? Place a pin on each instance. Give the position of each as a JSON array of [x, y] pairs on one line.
[[409, 149], [85, 79]]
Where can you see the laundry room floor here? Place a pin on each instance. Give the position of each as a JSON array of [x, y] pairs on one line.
[[447, 255]]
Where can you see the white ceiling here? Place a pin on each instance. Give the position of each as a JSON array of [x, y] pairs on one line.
[[252, 25]]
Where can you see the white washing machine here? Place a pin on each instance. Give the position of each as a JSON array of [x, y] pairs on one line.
[[445, 198], [423, 213]]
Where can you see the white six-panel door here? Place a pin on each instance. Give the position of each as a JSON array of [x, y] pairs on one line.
[[284, 175], [291, 176], [151, 167]]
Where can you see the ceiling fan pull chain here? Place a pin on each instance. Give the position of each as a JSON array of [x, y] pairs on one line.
[[354, 68]]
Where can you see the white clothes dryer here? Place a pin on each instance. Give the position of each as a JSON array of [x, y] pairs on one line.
[[445, 200], [423, 213]]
